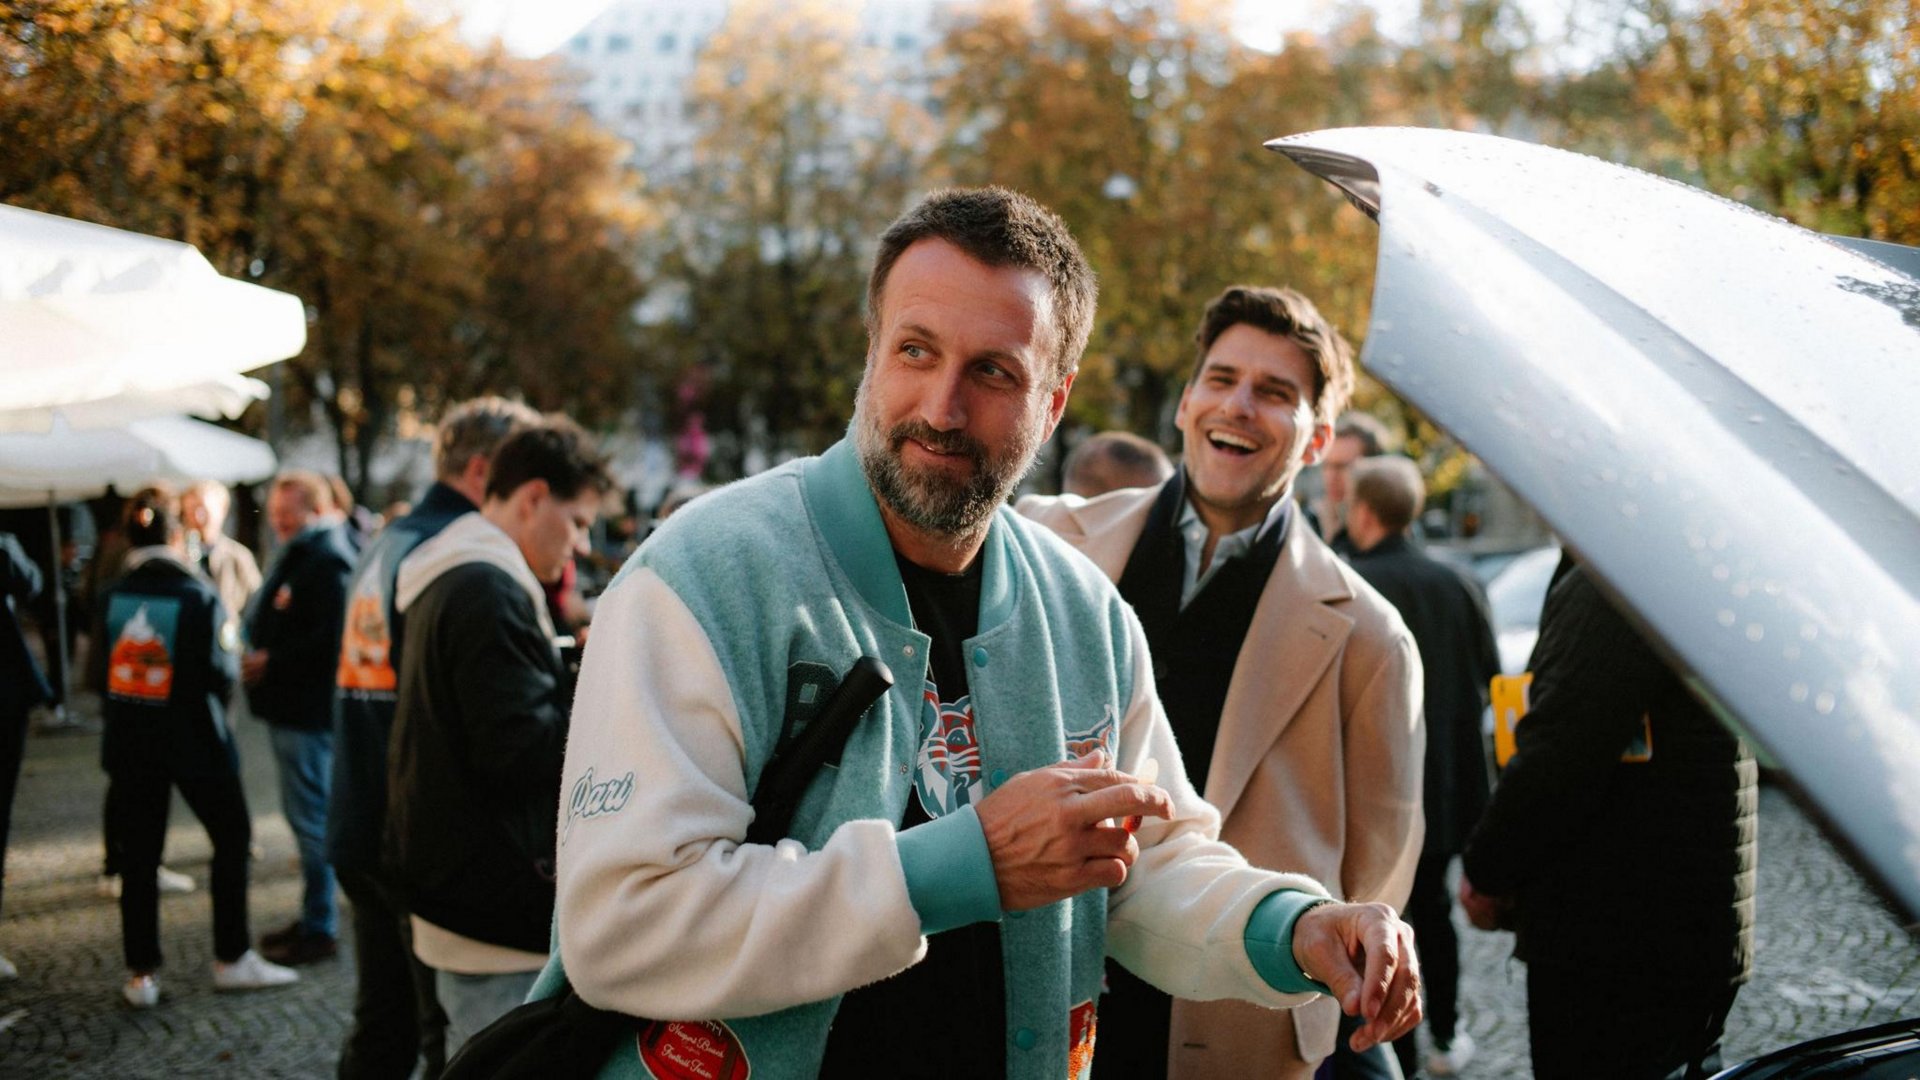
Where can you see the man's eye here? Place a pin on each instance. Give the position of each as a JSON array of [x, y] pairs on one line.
[[913, 351]]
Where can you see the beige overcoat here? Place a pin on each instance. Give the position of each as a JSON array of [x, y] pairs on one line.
[[1317, 767]]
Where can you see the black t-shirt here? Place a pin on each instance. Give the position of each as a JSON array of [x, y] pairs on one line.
[[946, 1015]]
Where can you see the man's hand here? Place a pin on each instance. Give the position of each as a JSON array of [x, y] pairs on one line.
[[1364, 953], [1485, 911], [253, 666], [1056, 832]]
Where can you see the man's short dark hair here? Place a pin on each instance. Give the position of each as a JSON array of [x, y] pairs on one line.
[[1112, 460], [475, 428], [1363, 426], [555, 450], [1391, 488], [999, 227], [1288, 314]]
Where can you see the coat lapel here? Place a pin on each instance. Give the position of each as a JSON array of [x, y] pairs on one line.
[[1295, 637]]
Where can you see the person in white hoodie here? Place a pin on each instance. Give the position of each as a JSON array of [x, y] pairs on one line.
[[480, 728]]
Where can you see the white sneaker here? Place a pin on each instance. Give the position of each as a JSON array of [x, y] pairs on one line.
[[173, 881], [169, 881], [251, 972], [7, 970], [141, 991], [1450, 1059]]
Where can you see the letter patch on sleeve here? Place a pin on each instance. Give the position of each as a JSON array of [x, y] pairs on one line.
[[143, 631]]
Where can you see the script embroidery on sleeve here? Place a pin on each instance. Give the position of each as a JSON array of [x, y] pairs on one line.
[[589, 799]]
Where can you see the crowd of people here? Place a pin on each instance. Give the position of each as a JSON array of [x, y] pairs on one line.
[[1172, 757]]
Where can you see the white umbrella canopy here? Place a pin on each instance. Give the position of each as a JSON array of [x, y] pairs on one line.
[[65, 464], [91, 314]]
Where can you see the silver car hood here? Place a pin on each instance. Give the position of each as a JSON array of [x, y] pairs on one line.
[[1718, 409]]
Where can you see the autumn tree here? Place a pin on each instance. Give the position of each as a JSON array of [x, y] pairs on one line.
[[1806, 110], [1142, 124], [800, 162], [451, 221]]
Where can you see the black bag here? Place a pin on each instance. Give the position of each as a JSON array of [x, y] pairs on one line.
[[563, 1036]]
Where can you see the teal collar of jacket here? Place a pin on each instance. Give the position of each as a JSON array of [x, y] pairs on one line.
[[849, 519]]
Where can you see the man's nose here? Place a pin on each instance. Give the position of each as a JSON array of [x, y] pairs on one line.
[[1239, 400], [943, 403]]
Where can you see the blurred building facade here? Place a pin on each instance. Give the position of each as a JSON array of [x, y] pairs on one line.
[[638, 59]]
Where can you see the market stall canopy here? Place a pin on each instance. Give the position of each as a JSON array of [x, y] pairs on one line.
[[1713, 406], [64, 464], [103, 325]]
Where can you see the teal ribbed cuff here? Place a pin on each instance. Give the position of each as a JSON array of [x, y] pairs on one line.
[[1269, 941], [949, 872]]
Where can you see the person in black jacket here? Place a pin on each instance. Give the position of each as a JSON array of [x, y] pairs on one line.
[[293, 634], [1620, 846], [397, 1019], [480, 730], [169, 671], [1447, 614], [22, 686]]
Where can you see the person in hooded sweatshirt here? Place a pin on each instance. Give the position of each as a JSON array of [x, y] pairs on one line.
[[172, 662], [480, 728]]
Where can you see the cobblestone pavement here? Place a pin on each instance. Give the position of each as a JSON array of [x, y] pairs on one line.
[[1830, 957]]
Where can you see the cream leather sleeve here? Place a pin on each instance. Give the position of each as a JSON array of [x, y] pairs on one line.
[[1180, 920], [1385, 744], [663, 912]]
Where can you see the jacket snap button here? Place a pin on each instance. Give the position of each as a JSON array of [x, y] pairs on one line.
[[999, 777], [1025, 1038], [980, 656], [906, 650]]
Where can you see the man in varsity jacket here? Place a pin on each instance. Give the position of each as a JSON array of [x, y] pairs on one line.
[[951, 886]]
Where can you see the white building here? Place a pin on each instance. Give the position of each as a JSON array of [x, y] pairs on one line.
[[638, 59]]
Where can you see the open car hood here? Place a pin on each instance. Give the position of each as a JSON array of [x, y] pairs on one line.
[[1714, 407]]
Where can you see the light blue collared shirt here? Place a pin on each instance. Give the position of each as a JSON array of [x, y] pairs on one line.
[[1231, 546]]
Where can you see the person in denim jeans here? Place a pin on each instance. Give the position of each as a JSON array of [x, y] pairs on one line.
[[293, 634]]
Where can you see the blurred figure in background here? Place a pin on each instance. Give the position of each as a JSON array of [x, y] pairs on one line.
[[397, 1020], [226, 561], [172, 662], [22, 686], [1112, 460], [1356, 435], [1447, 615], [293, 636], [357, 523]]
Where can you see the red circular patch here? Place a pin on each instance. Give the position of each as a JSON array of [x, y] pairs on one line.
[[692, 1050]]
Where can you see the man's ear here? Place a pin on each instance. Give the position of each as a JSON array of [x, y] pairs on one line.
[[531, 496], [1057, 404], [1318, 444]]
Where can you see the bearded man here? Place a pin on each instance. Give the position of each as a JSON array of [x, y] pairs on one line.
[[992, 830]]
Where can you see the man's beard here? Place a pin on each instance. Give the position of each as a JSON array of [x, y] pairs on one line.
[[928, 499]]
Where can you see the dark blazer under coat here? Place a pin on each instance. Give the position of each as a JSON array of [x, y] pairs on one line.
[[297, 617]]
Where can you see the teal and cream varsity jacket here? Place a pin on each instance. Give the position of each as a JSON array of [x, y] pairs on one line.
[[731, 622]]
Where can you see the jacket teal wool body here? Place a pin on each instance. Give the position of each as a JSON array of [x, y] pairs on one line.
[[791, 577]]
